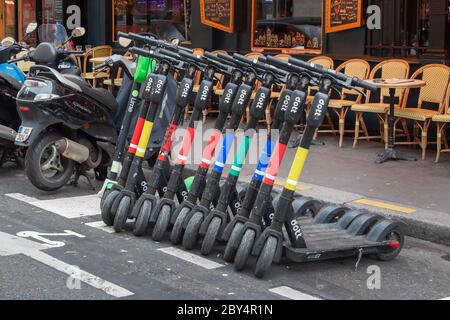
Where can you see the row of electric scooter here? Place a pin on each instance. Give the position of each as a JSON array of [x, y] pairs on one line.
[[212, 211]]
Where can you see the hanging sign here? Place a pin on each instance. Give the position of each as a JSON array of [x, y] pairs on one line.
[[218, 14], [343, 15]]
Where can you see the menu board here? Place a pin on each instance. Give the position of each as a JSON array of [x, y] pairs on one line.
[[218, 14], [343, 15]]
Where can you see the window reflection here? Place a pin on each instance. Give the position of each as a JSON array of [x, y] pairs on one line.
[[288, 24], [165, 18]]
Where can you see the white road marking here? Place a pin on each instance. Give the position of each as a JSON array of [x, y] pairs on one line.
[[101, 226], [47, 242], [11, 245], [70, 208], [192, 258], [292, 294]]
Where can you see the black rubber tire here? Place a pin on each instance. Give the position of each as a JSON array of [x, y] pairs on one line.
[[244, 250], [177, 231], [162, 223], [190, 236], [143, 218], [230, 252], [107, 216], [266, 256], [211, 236], [33, 164], [122, 214], [395, 234]]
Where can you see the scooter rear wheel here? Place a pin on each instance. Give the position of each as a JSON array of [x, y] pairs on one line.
[[107, 216], [141, 223], [244, 250], [45, 167], [233, 242], [191, 234], [211, 236], [122, 214], [265, 259], [162, 223], [177, 232]]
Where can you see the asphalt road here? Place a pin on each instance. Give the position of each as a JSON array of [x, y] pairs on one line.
[[65, 242]]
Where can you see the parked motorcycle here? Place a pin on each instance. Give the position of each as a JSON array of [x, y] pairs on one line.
[[11, 80], [66, 124]]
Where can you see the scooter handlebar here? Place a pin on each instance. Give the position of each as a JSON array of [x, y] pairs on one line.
[[352, 81], [153, 42], [154, 54], [259, 63]]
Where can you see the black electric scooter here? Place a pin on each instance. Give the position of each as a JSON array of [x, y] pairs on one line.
[[162, 220], [109, 204], [366, 233], [194, 220], [153, 97], [295, 96], [163, 217], [212, 187]]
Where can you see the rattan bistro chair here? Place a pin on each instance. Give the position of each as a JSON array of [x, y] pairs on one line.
[[354, 68], [441, 122], [436, 77], [97, 52], [390, 69]]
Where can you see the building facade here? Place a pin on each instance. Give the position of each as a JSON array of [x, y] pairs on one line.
[[417, 30]]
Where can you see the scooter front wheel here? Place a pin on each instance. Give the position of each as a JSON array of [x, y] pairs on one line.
[[211, 236], [233, 243], [122, 214], [177, 231], [143, 218], [107, 216], [244, 250], [266, 257], [191, 234], [162, 223]]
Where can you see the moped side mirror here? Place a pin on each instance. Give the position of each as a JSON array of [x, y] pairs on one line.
[[124, 42], [8, 41], [78, 32], [31, 27]]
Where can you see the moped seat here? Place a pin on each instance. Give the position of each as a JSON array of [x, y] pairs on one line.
[[102, 96], [11, 81]]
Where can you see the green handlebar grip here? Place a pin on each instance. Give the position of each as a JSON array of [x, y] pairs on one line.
[[144, 67]]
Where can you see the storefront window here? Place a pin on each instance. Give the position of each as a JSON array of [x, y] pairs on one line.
[[165, 18], [287, 25]]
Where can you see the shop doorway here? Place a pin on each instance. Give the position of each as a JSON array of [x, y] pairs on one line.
[[8, 19]]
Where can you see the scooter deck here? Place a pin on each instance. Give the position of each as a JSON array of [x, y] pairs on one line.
[[326, 241]]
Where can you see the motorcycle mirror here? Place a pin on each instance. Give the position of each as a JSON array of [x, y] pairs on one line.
[[8, 41], [124, 42], [78, 32], [31, 27]]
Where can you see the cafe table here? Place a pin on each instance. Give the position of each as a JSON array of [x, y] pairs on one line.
[[394, 84]]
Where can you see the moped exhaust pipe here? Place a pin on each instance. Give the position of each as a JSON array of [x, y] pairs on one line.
[[72, 150], [7, 134]]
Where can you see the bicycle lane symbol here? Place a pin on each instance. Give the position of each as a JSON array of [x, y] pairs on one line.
[[43, 237]]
